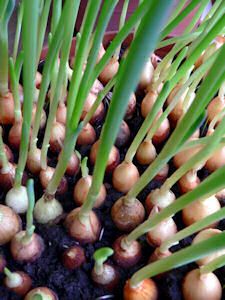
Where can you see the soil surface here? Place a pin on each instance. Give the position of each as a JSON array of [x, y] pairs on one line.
[[77, 285]]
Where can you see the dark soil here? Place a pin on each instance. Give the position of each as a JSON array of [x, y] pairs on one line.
[[77, 285]]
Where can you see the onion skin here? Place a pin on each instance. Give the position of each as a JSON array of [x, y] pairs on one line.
[[45, 177], [148, 102], [7, 109], [73, 257], [3, 263], [216, 161], [87, 136], [201, 287], [56, 141], [9, 154], [34, 161], [109, 279], [109, 71], [214, 108], [98, 114], [159, 198], [162, 132], [73, 166], [146, 153], [125, 176], [163, 173], [47, 209], [199, 210], [183, 156], [43, 116], [128, 257], [15, 135], [26, 252], [79, 231], [123, 135], [146, 290], [17, 199], [45, 292], [23, 288], [127, 216], [146, 76], [157, 255], [10, 224], [131, 108], [81, 190], [203, 235], [188, 183], [113, 159], [7, 179], [61, 113]]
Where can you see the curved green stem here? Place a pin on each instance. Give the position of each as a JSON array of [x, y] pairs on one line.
[[18, 30], [29, 226], [84, 167]]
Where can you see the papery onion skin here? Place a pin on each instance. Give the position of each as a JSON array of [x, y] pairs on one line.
[[34, 161], [10, 224], [7, 177], [146, 153], [109, 279], [56, 141], [45, 292], [109, 71], [17, 199], [87, 136], [98, 114], [73, 257], [7, 109], [145, 290]]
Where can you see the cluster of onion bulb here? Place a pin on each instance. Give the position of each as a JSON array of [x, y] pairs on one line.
[[18, 282]]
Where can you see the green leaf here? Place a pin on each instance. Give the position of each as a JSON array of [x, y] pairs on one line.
[[102, 254]]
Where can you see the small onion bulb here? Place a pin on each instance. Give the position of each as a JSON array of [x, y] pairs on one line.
[[146, 153], [145, 290], [109, 71], [44, 292], [17, 199]]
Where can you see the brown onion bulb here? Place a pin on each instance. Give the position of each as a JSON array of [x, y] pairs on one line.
[[125, 175], [87, 136], [56, 141], [157, 255], [26, 251], [126, 257], [20, 283], [45, 177], [113, 159], [131, 108], [146, 75], [73, 165], [161, 232], [108, 278], [123, 135], [7, 177], [109, 71], [148, 102], [216, 161], [127, 216], [9, 155], [185, 155], [44, 292], [82, 188], [10, 224], [163, 173], [145, 290], [98, 114], [160, 198], [61, 113], [97, 87], [34, 160], [200, 209], [202, 236], [188, 182], [7, 109], [15, 135], [83, 233], [215, 107], [162, 132], [146, 153], [43, 116], [73, 257], [197, 286]]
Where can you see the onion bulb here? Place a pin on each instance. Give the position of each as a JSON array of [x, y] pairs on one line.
[[7, 177], [10, 224], [200, 209], [15, 133], [163, 173], [146, 75], [47, 210], [73, 257], [216, 161], [7, 109], [215, 107], [185, 155], [83, 233], [9, 155], [128, 256], [98, 114], [17, 199], [97, 87], [57, 137], [125, 176], [127, 216], [146, 153], [73, 165], [148, 102], [162, 132], [160, 198], [157, 255], [131, 108], [145, 290], [18, 282], [34, 161], [26, 251], [108, 278], [61, 113], [197, 286], [87, 136], [202, 236], [162, 232], [43, 116], [38, 79], [82, 188], [123, 135], [45, 177], [113, 159], [109, 71], [188, 182], [44, 292]]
